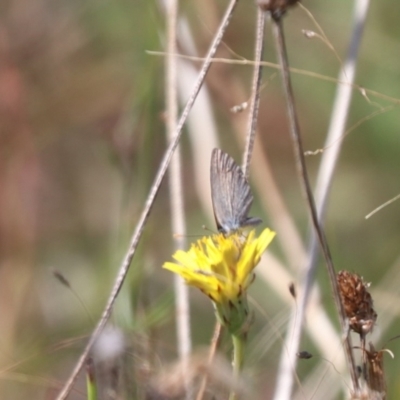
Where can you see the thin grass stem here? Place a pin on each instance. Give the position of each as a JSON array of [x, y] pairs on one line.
[[392, 200], [245, 62], [255, 92], [124, 267]]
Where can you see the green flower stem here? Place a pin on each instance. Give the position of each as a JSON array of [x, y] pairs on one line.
[[91, 385], [91, 389], [238, 353]]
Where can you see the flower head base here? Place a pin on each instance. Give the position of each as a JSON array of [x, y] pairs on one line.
[[222, 267]]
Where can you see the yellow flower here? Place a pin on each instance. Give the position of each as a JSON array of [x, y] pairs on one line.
[[222, 267]]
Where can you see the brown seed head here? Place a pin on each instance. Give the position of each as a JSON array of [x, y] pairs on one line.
[[276, 7], [357, 302], [376, 376]]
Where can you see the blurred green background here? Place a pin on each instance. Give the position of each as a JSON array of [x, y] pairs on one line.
[[82, 130]]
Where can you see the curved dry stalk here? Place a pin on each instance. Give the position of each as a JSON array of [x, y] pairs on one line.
[[327, 168], [123, 269], [392, 200], [255, 92], [303, 174]]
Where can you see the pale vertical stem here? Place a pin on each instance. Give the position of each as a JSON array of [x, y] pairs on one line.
[[137, 234], [255, 92], [340, 109], [178, 226], [324, 180]]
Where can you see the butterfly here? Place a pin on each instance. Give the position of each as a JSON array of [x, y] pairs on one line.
[[230, 193]]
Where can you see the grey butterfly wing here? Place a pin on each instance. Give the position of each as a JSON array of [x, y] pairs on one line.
[[230, 193], [221, 190]]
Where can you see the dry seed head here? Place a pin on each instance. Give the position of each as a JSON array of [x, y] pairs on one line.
[[376, 376], [276, 7], [357, 302]]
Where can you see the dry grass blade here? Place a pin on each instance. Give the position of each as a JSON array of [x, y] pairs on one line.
[[299, 71], [255, 92], [382, 206]]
